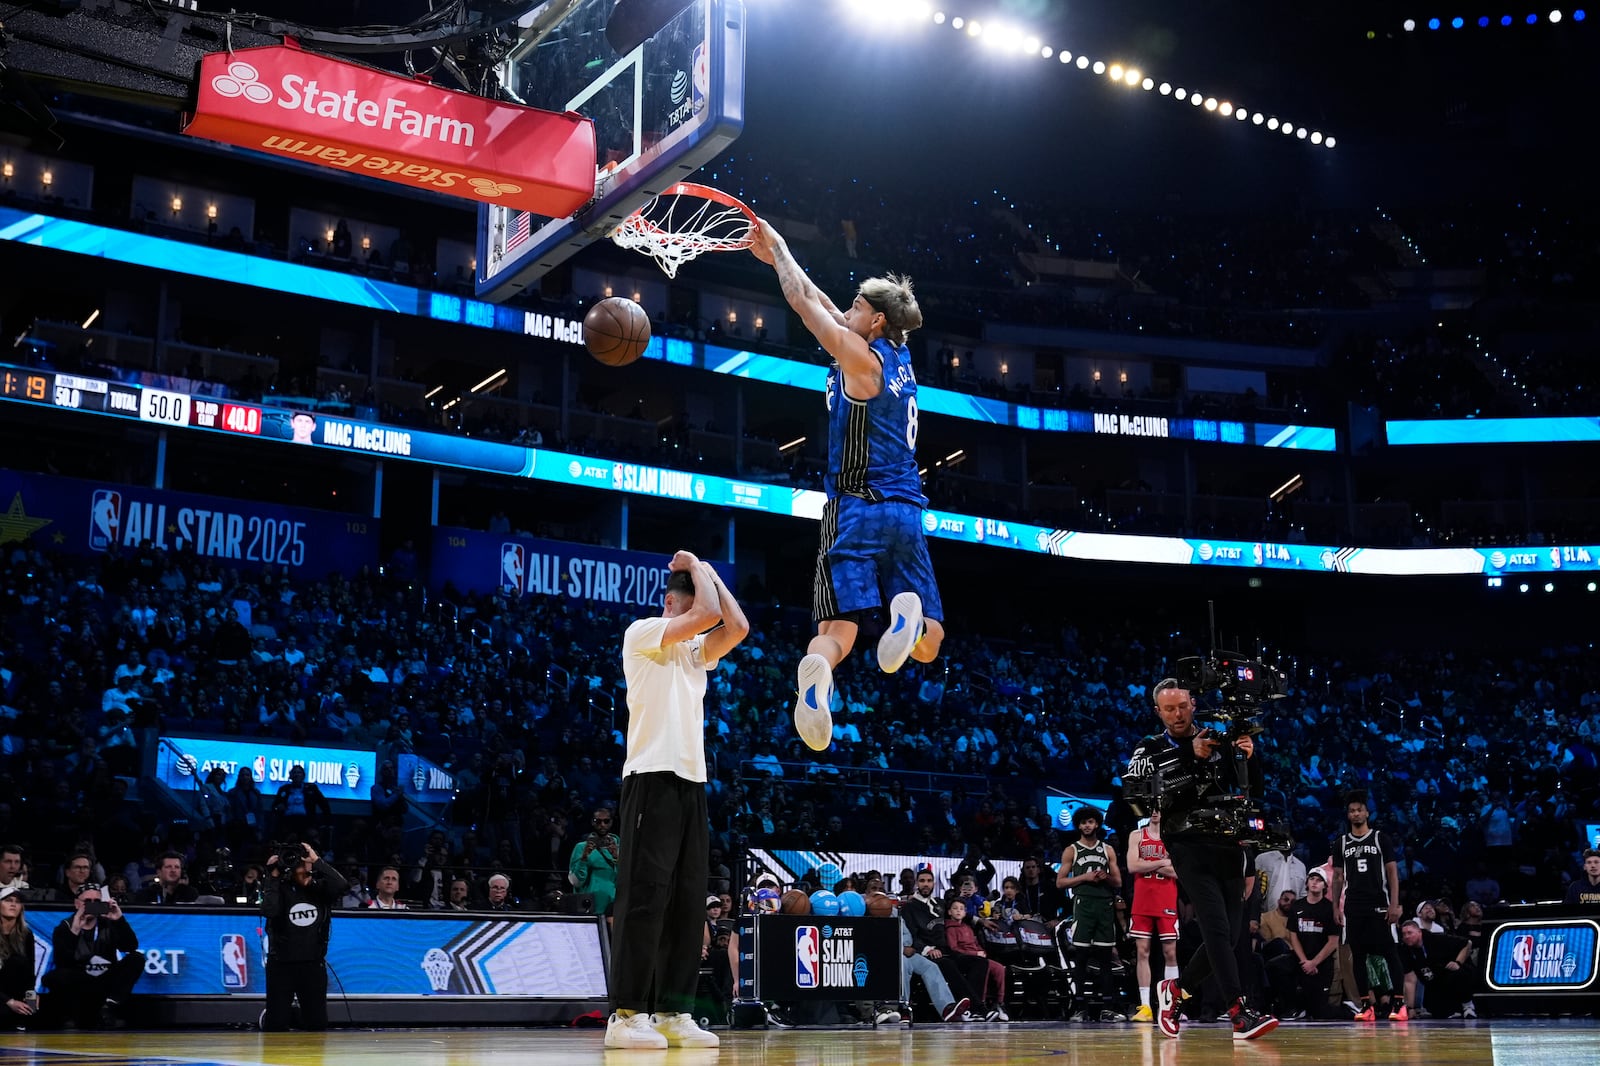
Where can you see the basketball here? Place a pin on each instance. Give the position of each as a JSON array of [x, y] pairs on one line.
[[616, 331], [880, 905], [796, 902]]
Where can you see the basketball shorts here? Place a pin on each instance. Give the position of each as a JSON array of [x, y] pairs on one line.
[[1093, 924], [871, 552], [1153, 926]]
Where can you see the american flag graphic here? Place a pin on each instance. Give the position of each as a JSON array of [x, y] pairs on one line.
[[518, 228]]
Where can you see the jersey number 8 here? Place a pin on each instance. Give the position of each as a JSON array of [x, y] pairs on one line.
[[911, 423]]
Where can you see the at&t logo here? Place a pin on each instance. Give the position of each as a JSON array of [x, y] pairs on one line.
[[242, 80]]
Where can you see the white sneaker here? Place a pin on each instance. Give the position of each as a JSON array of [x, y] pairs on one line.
[[905, 629], [681, 1030], [813, 707], [634, 1031]]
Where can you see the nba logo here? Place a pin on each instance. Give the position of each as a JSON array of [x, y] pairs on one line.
[[105, 519], [807, 957], [260, 768], [700, 76], [235, 963], [513, 565], [1522, 958]]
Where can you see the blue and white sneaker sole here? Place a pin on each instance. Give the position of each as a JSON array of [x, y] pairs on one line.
[[813, 713], [905, 629]]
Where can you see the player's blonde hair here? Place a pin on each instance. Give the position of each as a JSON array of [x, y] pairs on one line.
[[892, 296]]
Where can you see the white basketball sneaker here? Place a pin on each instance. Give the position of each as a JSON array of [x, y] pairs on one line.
[[634, 1031], [681, 1030], [813, 707], [905, 629]]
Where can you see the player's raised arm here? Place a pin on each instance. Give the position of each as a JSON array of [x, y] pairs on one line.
[[735, 626], [862, 369]]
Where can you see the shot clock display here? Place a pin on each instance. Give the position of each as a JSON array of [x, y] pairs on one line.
[[26, 385]]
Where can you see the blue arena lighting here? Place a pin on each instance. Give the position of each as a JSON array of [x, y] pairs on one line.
[[1505, 20], [1457, 22], [1433, 24], [1533, 19], [1483, 21], [1579, 15]]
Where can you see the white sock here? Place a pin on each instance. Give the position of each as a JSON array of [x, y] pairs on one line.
[[1170, 973], [1144, 997]]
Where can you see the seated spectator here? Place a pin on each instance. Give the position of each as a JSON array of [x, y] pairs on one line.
[[1439, 962], [460, 898], [356, 893], [980, 970], [11, 867], [169, 887], [16, 962], [920, 966], [1585, 889], [386, 895], [76, 874], [499, 896], [89, 985]]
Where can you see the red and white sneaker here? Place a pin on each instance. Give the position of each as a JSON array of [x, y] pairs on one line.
[[1248, 1024], [1168, 999]]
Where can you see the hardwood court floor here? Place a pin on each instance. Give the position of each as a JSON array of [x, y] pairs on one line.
[[1542, 1042]]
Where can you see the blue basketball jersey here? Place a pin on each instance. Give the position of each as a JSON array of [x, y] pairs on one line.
[[872, 444]]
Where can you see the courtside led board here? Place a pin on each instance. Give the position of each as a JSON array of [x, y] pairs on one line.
[[660, 111]]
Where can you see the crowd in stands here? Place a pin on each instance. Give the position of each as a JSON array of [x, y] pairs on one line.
[[97, 658]]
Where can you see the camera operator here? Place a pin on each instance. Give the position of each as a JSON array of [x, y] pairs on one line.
[[89, 983], [1210, 867], [298, 907]]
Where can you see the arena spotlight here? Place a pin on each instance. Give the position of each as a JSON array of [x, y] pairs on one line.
[[957, 22], [1258, 118], [1522, 587], [1166, 88], [1211, 103], [1225, 109], [1083, 63], [1115, 71], [1505, 20], [1133, 76], [1555, 16], [1483, 22], [938, 18], [1327, 142], [1433, 24], [1286, 128], [1409, 24], [1046, 52], [1579, 15], [1549, 586], [1099, 67], [1457, 22], [1194, 98], [1272, 123], [1316, 138], [1300, 133], [1241, 113], [974, 28], [1533, 19], [1147, 84], [1065, 56], [1179, 93], [1591, 586]]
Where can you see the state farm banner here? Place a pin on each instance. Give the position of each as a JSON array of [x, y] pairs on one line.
[[289, 102], [86, 517]]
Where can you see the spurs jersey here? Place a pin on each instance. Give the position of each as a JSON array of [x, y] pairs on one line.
[[872, 444], [1154, 894], [1363, 859]]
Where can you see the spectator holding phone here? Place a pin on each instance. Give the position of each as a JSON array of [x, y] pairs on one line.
[[90, 985]]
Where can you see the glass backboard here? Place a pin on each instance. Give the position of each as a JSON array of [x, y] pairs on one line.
[[660, 112]]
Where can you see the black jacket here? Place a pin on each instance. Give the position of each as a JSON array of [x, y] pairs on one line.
[[298, 918], [925, 918], [16, 973], [72, 951], [1176, 760]]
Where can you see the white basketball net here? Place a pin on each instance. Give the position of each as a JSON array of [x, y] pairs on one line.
[[676, 227]]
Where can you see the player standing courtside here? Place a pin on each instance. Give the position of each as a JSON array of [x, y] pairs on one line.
[[1155, 908], [1366, 901], [872, 540], [661, 874]]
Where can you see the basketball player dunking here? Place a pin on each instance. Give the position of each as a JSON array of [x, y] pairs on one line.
[[872, 540]]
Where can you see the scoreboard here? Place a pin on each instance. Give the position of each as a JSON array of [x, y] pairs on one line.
[[146, 404]]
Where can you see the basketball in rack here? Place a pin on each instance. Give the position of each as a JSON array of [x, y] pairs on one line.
[[685, 221]]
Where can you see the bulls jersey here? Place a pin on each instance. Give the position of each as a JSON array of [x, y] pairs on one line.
[[872, 444], [1363, 860], [1154, 894]]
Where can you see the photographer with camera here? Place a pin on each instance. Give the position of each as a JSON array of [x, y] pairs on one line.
[[593, 868], [1179, 771], [298, 906], [90, 984]]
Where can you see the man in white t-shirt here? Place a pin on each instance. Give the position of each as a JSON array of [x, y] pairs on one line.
[[661, 873]]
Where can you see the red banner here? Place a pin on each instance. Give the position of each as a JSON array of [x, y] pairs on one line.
[[290, 102]]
